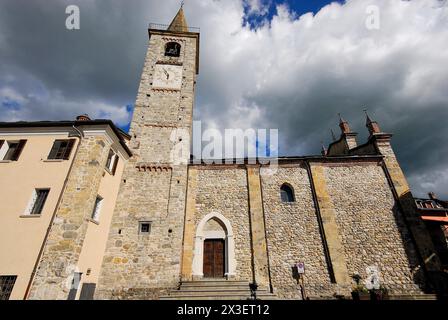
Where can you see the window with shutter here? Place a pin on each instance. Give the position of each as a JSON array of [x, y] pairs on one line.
[[11, 150], [18, 150], [68, 149], [39, 200], [12, 147], [61, 149]]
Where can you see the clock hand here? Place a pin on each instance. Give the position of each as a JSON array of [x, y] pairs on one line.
[[167, 74]]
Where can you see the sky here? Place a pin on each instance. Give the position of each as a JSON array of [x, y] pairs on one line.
[[291, 65]]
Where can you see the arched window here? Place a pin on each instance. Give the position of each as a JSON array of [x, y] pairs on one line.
[[287, 193], [172, 49]]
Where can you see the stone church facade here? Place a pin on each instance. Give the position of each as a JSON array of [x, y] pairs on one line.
[[348, 210], [341, 213]]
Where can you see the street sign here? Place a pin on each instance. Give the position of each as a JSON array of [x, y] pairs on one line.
[[300, 267]]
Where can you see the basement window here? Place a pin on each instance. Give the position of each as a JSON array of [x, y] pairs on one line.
[[144, 227]]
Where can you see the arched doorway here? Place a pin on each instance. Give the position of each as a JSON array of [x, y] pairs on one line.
[[214, 249]]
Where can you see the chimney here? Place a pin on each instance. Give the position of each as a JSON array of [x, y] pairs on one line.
[[83, 117], [432, 196]]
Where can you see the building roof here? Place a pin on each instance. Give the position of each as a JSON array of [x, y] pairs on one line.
[[121, 135], [179, 22]]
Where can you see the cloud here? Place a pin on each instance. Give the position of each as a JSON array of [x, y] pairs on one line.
[[294, 73]]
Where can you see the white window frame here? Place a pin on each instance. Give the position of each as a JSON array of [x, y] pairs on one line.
[[32, 202], [5, 147], [97, 209], [112, 161]]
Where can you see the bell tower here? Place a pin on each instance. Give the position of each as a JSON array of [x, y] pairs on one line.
[[143, 252]]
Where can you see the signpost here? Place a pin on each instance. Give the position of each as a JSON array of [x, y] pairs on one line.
[[300, 268]]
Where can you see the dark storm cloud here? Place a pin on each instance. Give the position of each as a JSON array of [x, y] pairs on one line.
[[295, 74]]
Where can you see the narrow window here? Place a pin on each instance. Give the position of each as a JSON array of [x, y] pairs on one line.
[[11, 150], [286, 193], [112, 162], [97, 209], [61, 149], [144, 227], [172, 49], [38, 201], [6, 286]]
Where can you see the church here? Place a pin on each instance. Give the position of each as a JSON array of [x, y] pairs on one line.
[[92, 212]]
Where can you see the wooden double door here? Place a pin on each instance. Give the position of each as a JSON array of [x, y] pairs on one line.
[[214, 258]]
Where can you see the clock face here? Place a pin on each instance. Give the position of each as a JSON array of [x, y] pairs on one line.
[[167, 76]]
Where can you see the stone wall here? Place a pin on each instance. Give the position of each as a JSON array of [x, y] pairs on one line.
[[371, 227], [65, 240], [293, 234], [225, 191], [154, 183]]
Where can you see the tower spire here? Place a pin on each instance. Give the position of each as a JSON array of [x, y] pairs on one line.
[[371, 125], [179, 22], [345, 128], [323, 150]]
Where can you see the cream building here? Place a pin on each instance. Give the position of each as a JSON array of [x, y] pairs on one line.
[[77, 226], [48, 169]]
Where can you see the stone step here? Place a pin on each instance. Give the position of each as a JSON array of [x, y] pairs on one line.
[[216, 289], [213, 288]]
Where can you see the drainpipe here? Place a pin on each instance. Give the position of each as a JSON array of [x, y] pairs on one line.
[[41, 251]]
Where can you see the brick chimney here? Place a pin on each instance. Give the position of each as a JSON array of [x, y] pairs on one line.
[[432, 196], [83, 117]]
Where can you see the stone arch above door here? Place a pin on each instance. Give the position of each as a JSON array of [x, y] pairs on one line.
[[214, 226]]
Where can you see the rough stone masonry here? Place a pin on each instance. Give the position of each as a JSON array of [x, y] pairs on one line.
[[349, 208]]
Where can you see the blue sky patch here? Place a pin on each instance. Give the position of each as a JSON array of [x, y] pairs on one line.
[[269, 9], [130, 110], [11, 104]]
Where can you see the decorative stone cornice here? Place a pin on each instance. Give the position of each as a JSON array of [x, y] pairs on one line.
[[165, 90], [172, 62], [161, 125], [153, 167]]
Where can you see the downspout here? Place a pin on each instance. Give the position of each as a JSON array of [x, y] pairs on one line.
[[41, 251]]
